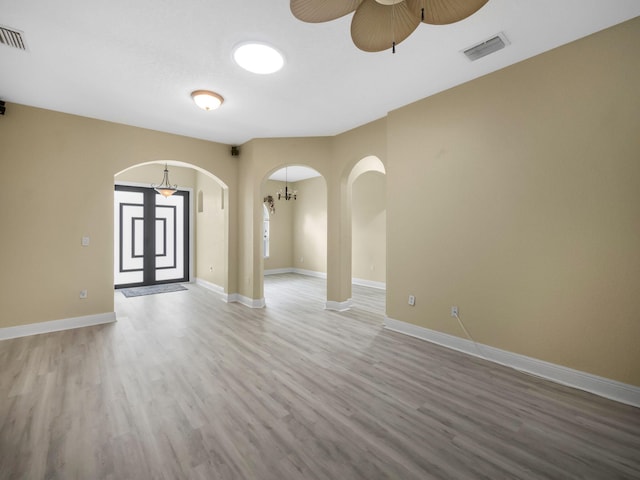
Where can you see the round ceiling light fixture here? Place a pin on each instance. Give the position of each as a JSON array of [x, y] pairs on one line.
[[206, 99], [258, 58]]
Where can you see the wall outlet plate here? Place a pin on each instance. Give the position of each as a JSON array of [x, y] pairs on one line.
[[454, 311]]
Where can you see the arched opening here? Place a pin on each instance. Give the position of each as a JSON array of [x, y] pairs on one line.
[[367, 187], [207, 238], [297, 227]]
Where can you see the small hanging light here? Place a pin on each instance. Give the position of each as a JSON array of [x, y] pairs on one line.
[[165, 188], [286, 194]]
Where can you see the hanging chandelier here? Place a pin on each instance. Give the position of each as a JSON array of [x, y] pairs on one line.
[[165, 188], [286, 194], [382, 24]]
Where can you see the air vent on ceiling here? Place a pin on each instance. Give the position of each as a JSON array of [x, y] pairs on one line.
[[12, 38], [495, 43]]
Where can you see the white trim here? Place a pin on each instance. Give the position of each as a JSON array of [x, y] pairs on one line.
[[56, 325], [230, 297], [299, 271], [309, 273], [246, 301], [369, 283], [209, 286], [338, 306], [604, 387], [278, 271]]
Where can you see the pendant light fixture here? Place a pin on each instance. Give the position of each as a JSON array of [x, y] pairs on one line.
[[286, 194], [165, 188]]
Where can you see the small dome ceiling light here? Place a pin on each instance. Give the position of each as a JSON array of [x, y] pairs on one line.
[[207, 100], [258, 58]]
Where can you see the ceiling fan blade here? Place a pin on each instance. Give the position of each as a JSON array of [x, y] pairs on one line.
[[443, 12], [375, 27], [316, 11]]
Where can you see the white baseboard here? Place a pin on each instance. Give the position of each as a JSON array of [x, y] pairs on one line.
[[369, 283], [604, 387], [246, 301], [230, 298], [56, 325], [278, 271], [310, 273], [299, 271], [338, 306], [209, 286]]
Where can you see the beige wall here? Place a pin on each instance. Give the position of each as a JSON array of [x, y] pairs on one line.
[[369, 223], [211, 231], [517, 198], [310, 225]]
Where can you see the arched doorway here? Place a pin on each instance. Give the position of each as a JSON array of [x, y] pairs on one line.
[[206, 214], [297, 232]]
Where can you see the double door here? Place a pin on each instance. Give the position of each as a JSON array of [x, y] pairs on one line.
[[151, 237]]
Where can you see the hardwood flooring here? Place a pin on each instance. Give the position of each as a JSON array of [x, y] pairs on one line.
[[185, 386]]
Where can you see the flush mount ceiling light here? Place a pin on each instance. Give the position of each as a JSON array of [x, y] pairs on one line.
[[258, 58], [381, 24], [207, 100]]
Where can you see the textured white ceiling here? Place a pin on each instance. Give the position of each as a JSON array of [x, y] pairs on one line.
[[136, 62]]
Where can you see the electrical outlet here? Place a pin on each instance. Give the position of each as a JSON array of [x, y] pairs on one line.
[[83, 294], [412, 300], [454, 311]]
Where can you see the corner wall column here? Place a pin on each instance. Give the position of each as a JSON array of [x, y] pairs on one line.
[[338, 246]]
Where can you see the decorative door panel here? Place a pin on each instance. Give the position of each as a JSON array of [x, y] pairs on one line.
[[170, 263]]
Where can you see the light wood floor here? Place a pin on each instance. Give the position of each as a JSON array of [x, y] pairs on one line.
[[186, 386]]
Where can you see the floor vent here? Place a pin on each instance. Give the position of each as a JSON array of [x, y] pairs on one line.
[[495, 43], [12, 38]]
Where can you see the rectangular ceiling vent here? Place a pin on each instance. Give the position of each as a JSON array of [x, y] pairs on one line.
[[12, 38], [495, 43]]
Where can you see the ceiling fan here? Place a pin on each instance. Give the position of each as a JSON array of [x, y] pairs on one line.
[[381, 24]]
